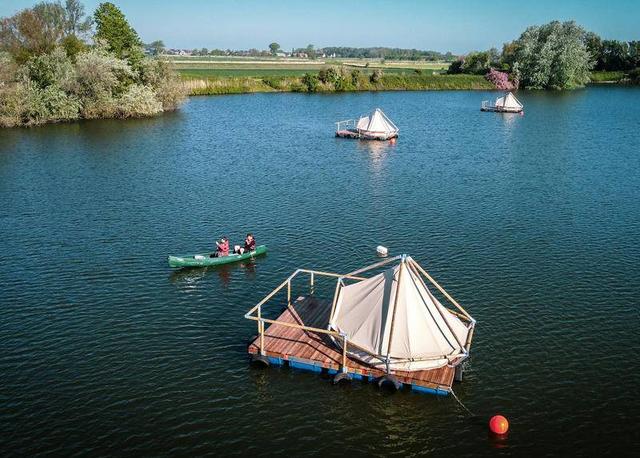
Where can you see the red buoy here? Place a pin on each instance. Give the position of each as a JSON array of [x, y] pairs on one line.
[[498, 424]]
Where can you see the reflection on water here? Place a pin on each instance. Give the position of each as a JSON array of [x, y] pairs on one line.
[[190, 277], [510, 118], [498, 441], [376, 150]]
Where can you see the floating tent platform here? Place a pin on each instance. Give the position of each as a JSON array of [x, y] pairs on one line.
[[505, 104], [376, 126], [304, 337], [315, 352]]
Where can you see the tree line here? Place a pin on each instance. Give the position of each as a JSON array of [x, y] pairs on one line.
[[613, 55], [387, 53], [557, 55], [58, 64], [312, 52]]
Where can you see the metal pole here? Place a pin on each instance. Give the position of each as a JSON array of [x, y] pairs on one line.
[[395, 305], [261, 330], [311, 283], [335, 298], [441, 289], [344, 353], [289, 293]]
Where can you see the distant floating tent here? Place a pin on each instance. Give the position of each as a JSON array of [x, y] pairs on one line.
[[392, 321], [376, 126], [505, 104]]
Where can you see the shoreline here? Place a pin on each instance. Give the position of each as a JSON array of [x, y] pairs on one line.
[[213, 90], [225, 85], [200, 87], [247, 84], [273, 91]]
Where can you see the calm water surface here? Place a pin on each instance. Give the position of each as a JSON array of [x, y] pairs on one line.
[[532, 222]]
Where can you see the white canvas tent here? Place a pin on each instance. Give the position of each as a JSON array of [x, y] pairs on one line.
[[394, 322], [509, 101], [363, 123], [377, 125]]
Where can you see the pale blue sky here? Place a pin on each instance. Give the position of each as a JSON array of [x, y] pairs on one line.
[[457, 26]]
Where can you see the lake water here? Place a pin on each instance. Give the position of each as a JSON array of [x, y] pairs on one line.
[[531, 222]]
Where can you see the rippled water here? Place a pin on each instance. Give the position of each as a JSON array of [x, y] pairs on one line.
[[532, 222]]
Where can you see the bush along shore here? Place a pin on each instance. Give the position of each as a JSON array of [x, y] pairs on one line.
[[244, 85], [335, 79], [49, 74]]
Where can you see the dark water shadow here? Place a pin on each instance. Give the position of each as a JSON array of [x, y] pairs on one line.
[[194, 275]]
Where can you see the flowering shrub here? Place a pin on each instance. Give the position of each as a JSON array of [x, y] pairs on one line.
[[501, 80]]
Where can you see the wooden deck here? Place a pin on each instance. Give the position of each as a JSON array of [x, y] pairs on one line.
[[355, 134], [347, 134], [316, 352]]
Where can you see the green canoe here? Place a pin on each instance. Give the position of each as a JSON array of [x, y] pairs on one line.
[[203, 260]]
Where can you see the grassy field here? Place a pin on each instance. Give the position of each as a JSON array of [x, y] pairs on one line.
[[206, 73], [388, 82], [211, 75], [213, 72], [213, 66], [388, 66]]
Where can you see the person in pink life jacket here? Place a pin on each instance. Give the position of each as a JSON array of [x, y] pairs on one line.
[[223, 248]]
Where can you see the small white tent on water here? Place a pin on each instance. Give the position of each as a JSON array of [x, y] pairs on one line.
[[507, 103], [392, 321], [376, 126]]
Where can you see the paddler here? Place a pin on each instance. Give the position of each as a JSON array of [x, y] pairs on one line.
[[249, 245], [223, 248]]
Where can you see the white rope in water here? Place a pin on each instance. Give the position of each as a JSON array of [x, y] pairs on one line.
[[460, 402]]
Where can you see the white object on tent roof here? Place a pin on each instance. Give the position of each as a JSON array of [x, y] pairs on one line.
[[376, 126], [381, 250], [506, 104], [393, 321]]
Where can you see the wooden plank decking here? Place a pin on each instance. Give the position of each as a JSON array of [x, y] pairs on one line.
[[316, 351], [347, 134]]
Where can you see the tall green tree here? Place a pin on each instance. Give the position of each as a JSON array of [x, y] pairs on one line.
[[156, 47], [634, 53], [593, 42], [311, 52], [274, 48], [553, 56], [76, 23], [53, 19], [33, 31], [477, 62], [508, 57], [114, 29], [38, 30], [615, 55]]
